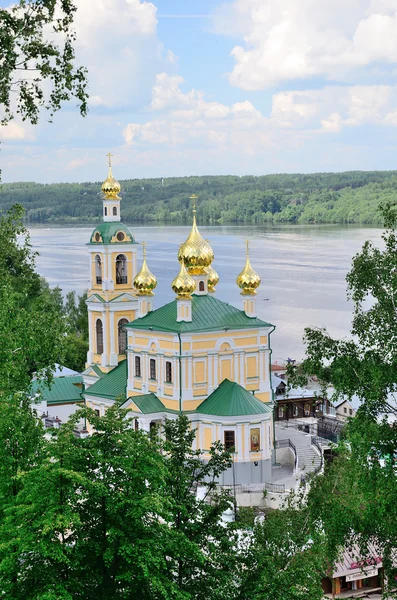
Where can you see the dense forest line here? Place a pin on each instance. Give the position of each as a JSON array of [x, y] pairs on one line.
[[350, 197]]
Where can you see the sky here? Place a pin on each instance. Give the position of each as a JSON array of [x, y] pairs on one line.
[[208, 87]]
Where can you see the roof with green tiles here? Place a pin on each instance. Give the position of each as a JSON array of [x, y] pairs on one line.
[[208, 314], [230, 399], [97, 370], [149, 403], [60, 390], [112, 385], [107, 232]]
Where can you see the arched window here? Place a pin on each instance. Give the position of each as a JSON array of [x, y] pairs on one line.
[[99, 337], [201, 286], [121, 269], [106, 211], [122, 336], [98, 269], [115, 211]]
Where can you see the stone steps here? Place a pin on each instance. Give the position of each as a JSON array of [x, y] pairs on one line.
[[308, 459]]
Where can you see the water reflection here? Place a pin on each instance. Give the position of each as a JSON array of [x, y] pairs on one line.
[[303, 270]]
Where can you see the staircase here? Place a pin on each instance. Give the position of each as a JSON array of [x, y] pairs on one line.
[[308, 459]]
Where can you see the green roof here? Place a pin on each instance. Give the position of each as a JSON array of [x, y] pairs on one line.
[[62, 389], [208, 314], [108, 230], [97, 370], [148, 403], [230, 399], [112, 385]]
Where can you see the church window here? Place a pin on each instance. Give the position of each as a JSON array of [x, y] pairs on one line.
[[114, 211], [120, 236], [168, 372], [121, 269], [137, 366], [98, 269], [201, 286], [99, 337], [122, 336], [106, 211], [97, 237], [230, 443], [152, 368]]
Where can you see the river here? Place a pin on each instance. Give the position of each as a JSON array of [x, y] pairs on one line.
[[303, 270]]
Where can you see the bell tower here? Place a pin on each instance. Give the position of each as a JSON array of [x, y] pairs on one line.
[[112, 301]]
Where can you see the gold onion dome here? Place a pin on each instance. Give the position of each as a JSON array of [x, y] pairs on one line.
[[145, 282], [111, 187], [213, 278], [248, 280], [195, 252], [183, 284]]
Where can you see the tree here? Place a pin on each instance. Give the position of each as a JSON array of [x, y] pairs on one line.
[[366, 364], [200, 550], [285, 556], [88, 516], [355, 498], [38, 59], [31, 324]]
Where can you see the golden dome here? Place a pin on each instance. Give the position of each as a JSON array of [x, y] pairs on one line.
[[248, 280], [111, 187], [195, 252], [183, 284], [213, 278], [145, 282]]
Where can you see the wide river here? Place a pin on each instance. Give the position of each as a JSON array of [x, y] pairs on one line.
[[303, 270]]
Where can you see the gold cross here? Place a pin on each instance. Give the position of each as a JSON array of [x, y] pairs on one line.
[[194, 198], [110, 158], [247, 243], [144, 249]]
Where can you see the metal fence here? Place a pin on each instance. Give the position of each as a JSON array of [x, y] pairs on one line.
[[254, 487], [316, 442]]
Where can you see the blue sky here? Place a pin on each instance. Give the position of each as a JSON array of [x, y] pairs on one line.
[[208, 87]]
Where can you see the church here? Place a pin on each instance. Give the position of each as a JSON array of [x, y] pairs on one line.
[[196, 355]]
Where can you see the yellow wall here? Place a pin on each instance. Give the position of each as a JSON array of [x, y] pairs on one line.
[[207, 438], [231, 363]]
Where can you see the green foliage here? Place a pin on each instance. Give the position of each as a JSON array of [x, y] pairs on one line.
[[245, 517], [286, 557], [36, 329], [355, 498], [200, 550], [111, 516], [366, 364], [351, 197], [38, 60]]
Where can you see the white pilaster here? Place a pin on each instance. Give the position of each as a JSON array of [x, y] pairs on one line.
[[209, 378], [216, 378], [90, 352], [250, 306], [236, 369], [113, 342], [184, 309]]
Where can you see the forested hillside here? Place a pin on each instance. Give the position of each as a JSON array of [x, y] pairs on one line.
[[351, 197]]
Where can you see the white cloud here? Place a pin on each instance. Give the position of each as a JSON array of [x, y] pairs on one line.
[[15, 131], [188, 119], [287, 40], [117, 41], [334, 107], [185, 120]]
